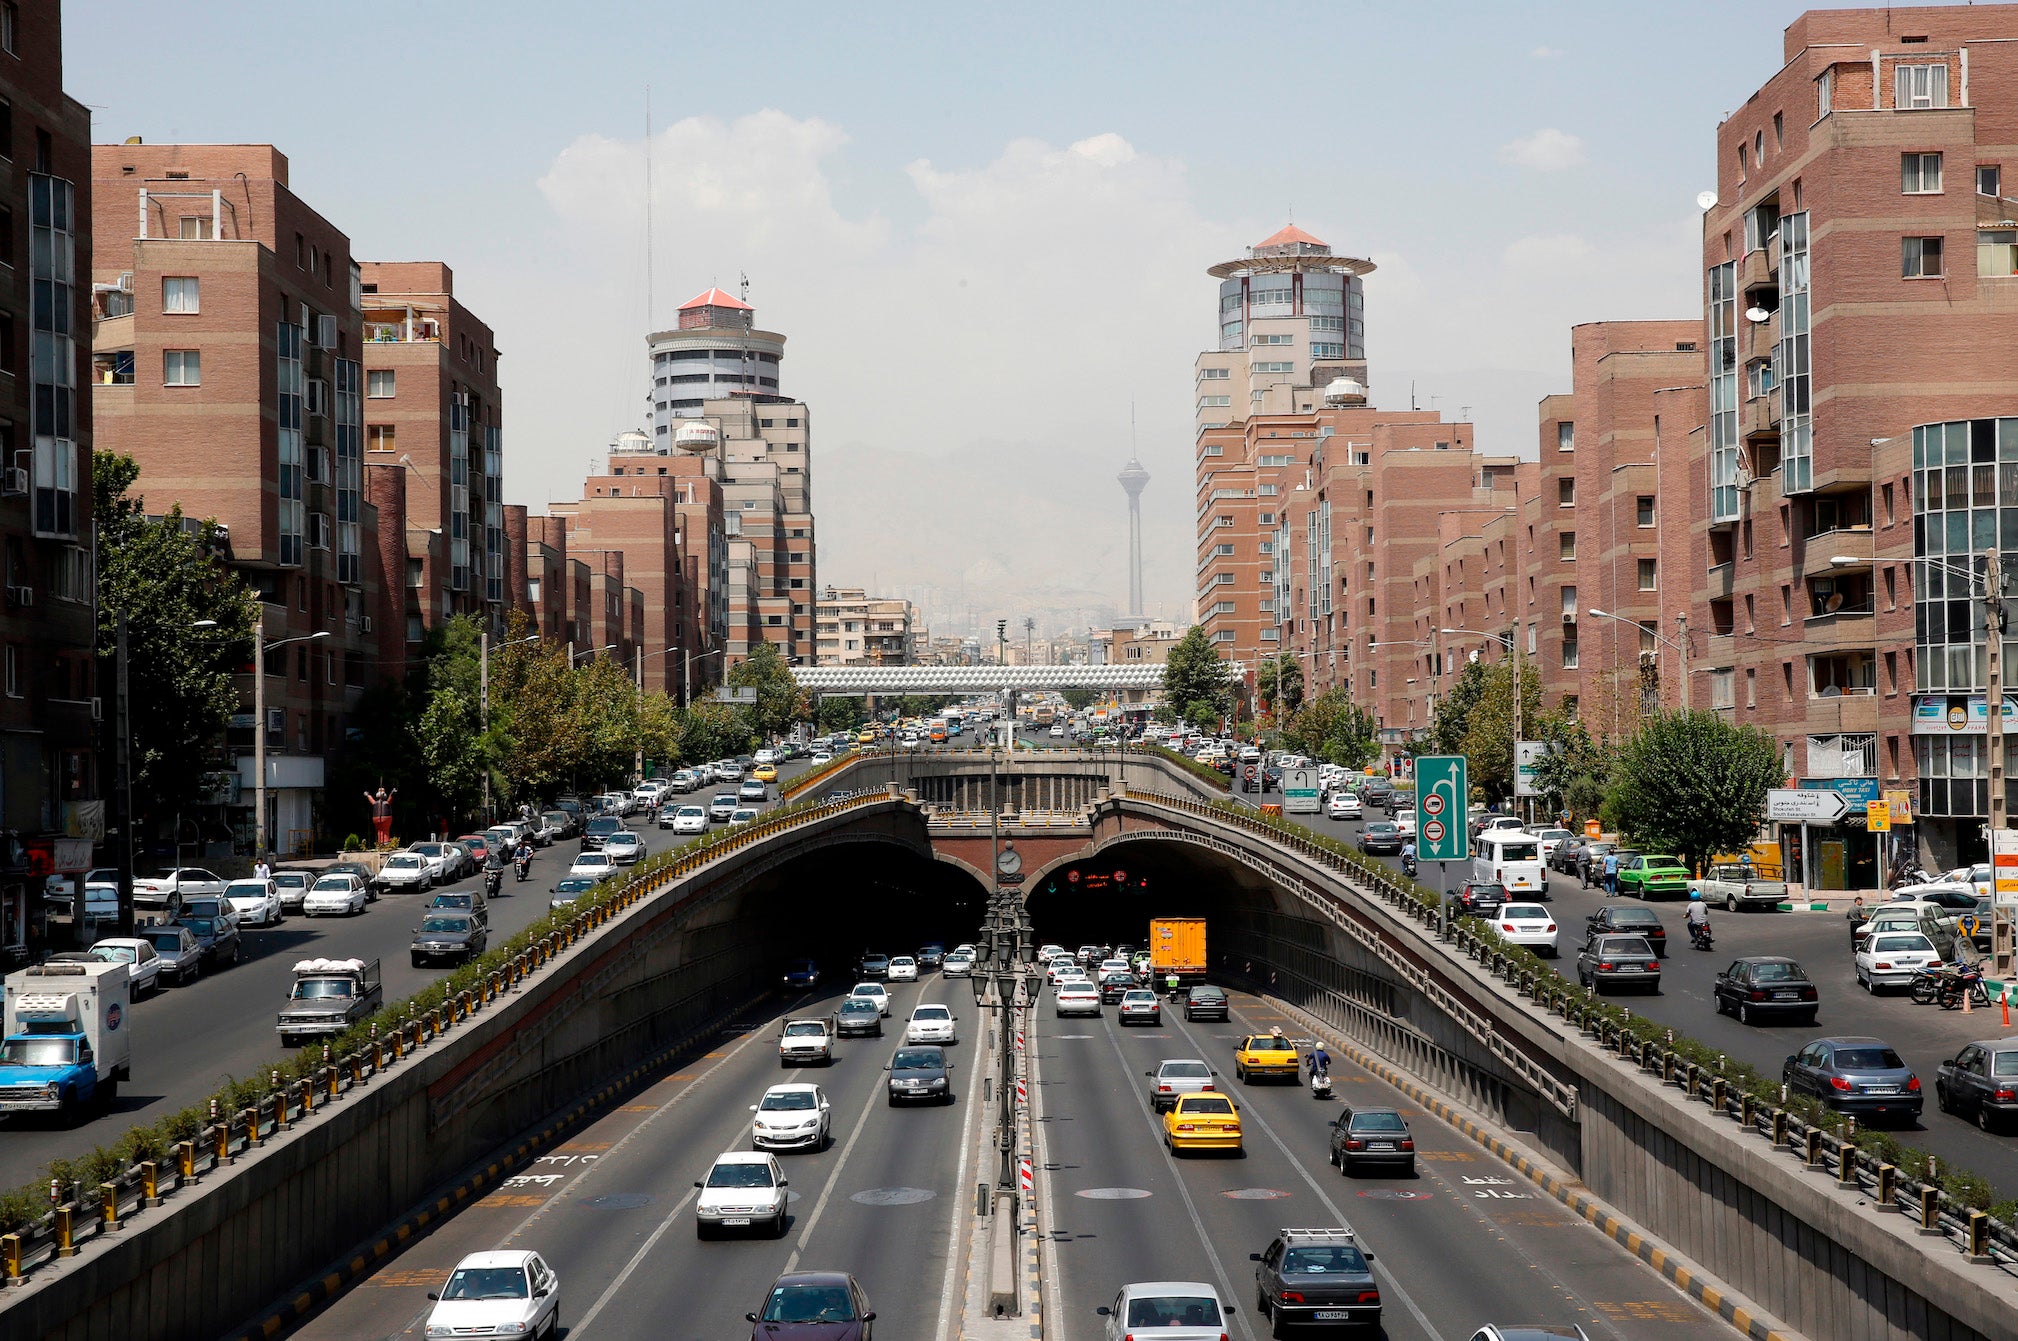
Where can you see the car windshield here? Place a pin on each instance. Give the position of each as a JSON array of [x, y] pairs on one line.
[[809, 1303], [447, 924], [202, 926], [788, 1101], [309, 989], [858, 1006], [592, 859], [290, 879], [740, 1175], [1378, 1122], [1209, 1104], [1914, 942], [38, 1051], [243, 889], [453, 900], [868, 989], [577, 885], [1487, 891], [1185, 1070], [1868, 1059], [1207, 994], [1380, 826], [692, 812], [1633, 916], [1787, 972], [931, 1013], [1140, 995], [486, 1283], [604, 825], [1328, 1259], [1519, 852], [917, 1059], [117, 954], [333, 884], [165, 940], [804, 1029], [1173, 1311]]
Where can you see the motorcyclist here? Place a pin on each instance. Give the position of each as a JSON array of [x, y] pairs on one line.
[[522, 857], [1320, 1062], [1170, 986], [1408, 855], [1697, 916]]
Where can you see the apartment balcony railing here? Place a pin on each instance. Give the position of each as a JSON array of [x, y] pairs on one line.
[[1855, 543]]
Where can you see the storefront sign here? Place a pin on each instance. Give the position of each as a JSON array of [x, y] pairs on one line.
[[1958, 714], [1901, 804], [2004, 867], [1857, 791]]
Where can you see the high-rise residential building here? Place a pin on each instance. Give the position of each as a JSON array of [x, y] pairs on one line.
[[1860, 259], [432, 405], [47, 682], [228, 364], [857, 629], [715, 351], [633, 512]]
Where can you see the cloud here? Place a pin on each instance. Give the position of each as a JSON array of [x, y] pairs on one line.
[[1547, 150], [1545, 53]]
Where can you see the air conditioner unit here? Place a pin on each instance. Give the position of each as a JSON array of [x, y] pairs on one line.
[[97, 709], [14, 482], [126, 281], [1569, 616], [365, 624], [21, 597]]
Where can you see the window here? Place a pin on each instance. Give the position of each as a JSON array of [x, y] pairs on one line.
[[1751, 687], [381, 437], [181, 367], [1566, 546], [1569, 653], [1566, 437], [1278, 366], [1644, 510], [1825, 94], [1920, 258], [1569, 595], [379, 384], [1997, 253], [1918, 87], [1723, 689], [193, 228], [1214, 374], [10, 18], [1275, 339], [1566, 493], [1779, 130], [1989, 180], [179, 294], [1647, 575], [1210, 402], [1326, 349], [300, 252], [1744, 163], [1920, 174]]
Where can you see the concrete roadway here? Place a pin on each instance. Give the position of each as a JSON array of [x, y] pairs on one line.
[[1923, 1035], [189, 1040]]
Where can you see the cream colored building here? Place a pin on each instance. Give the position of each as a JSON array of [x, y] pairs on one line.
[[855, 628]]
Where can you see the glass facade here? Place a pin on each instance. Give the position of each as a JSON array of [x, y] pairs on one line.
[[458, 491], [349, 468], [293, 473], [52, 260], [493, 513], [1790, 362], [1723, 316]]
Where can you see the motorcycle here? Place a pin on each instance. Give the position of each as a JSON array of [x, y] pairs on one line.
[[493, 881], [1699, 935], [523, 867], [1319, 1081], [1947, 985], [1408, 865]]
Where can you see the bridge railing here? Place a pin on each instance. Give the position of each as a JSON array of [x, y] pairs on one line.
[[96, 1194], [1952, 1203]]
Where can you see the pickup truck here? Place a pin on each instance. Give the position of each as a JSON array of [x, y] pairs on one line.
[[68, 1039], [1649, 877], [1736, 885], [328, 997], [806, 1040], [1266, 1055]]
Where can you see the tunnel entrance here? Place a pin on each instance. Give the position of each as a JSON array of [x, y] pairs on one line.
[[834, 904], [1110, 898]]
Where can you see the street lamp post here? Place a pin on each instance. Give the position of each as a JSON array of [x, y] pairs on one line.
[[588, 653], [1681, 649], [259, 649]]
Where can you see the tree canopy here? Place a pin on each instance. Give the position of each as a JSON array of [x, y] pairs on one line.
[[1334, 729], [780, 701], [1196, 680], [1691, 784], [1280, 675]]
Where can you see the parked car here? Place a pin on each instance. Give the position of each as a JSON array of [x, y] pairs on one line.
[[1653, 877], [448, 937], [1378, 1137], [172, 889], [479, 847], [1618, 961], [1894, 959], [1762, 987], [405, 872], [1618, 917], [1860, 1076], [1551, 839], [143, 963], [291, 887], [1737, 884], [343, 895], [216, 935], [180, 952], [1981, 1082], [256, 902]]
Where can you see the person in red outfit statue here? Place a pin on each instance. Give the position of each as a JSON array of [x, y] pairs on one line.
[[381, 813]]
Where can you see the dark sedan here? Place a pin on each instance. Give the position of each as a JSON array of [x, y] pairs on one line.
[[217, 937], [801, 975], [814, 1306], [920, 1074], [874, 967], [1115, 985], [1981, 1082], [598, 832], [1205, 1003], [1624, 921], [1764, 987], [1380, 836], [1861, 1076], [1618, 961], [1478, 898], [1370, 1137], [448, 938]]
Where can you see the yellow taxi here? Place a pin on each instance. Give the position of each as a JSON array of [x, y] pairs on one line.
[[866, 736], [765, 773], [1266, 1055], [1201, 1122]]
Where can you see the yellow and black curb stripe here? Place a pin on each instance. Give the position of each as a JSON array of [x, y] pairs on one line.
[[1574, 1196], [342, 1275]]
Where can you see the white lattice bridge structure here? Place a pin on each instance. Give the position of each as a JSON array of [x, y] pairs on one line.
[[971, 679]]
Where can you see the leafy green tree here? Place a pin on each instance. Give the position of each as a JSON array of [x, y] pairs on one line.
[[603, 719], [1575, 775], [1079, 700], [780, 701], [710, 730], [922, 705], [1448, 727], [1333, 728], [1488, 740], [840, 714], [660, 730], [533, 694], [1694, 785], [1284, 669], [163, 578], [1197, 680]]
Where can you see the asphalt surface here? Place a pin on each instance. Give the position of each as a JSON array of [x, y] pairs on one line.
[[190, 1040], [1924, 1036]]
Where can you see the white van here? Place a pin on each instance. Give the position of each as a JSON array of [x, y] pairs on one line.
[[1513, 858]]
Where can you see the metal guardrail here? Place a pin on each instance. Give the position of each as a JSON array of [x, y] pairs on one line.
[[80, 1214], [1982, 1237]]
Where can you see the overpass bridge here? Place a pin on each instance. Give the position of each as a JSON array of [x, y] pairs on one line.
[[1637, 1132], [975, 679]]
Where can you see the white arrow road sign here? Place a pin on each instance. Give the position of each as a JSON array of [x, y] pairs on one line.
[[1815, 805]]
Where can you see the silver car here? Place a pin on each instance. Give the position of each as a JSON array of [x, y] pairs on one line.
[[1177, 1077]]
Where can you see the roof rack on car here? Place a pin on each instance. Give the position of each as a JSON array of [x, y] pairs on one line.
[[1339, 1231]]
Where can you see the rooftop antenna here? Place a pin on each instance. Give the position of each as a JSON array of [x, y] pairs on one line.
[[648, 209], [744, 287]]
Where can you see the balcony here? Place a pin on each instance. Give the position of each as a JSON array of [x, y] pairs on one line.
[[1761, 339], [1854, 543], [417, 330], [1842, 630], [1851, 711], [1720, 577], [1759, 277], [1761, 415]]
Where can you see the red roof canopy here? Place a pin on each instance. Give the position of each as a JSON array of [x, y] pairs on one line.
[[1289, 233], [716, 298]]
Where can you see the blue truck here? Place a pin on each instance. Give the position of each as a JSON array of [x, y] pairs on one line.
[[68, 1041]]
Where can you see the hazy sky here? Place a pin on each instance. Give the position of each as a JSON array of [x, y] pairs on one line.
[[983, 231]]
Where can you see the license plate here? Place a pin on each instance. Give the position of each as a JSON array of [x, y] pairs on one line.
[[1631, 968], [737, 1220], [1881, 1089], [1330, 1315], [1786, 996], [1380, 1145]]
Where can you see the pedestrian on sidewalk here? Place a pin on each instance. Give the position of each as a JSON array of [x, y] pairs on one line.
[[1611, 874]]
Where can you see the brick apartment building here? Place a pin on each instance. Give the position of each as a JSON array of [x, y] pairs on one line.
[[857, 629], [47, 679]]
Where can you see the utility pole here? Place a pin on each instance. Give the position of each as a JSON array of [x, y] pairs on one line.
[[483, 705], [1993, 731], [1682, 646]]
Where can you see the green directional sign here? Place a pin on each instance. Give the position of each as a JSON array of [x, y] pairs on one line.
[[1441, 789]]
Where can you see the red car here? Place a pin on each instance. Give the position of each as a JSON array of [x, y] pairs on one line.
[[479, 846]]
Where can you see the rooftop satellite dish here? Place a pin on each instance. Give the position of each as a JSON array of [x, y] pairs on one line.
[[1757, 315], [1833, 604], [1706, 200]]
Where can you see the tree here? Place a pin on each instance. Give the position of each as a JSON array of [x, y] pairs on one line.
[[533, 692], [1197, 680], [1691, 784], [1453, 711], [710, 730], [780, 701], [1284, 669], [840, 714], [164, 577], [1333, 728], [660, 729], [1575, 775], [603, 720], [1488, 740], [1079, 700]]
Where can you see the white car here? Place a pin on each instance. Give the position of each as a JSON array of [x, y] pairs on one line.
[[1059, 965], [903, 968], [1528, 924], [958, 964], [407, 871], [820, 757], [291, 887], [173, 888], [688, 819], [1169, 1310], [792, 1117], [341, 895], [1404, 823], [498, 1294], [1551, 839], [1894, 959], [1108, 966], [743, 815], [744, 1190], [1343, 805], [766, 757], [143, 963], [930, 1024], [1076, 998], [876, 992], [256, 902], [593, 865], [624, 847]]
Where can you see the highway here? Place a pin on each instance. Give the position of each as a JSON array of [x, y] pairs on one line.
[[190, 1040], [1466, 1242]]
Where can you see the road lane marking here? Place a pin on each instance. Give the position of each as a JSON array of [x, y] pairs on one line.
[[970, 1136]]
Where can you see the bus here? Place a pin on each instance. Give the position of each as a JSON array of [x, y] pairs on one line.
[[1513, 858]]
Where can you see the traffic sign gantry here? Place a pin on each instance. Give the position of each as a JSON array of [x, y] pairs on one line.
[[1441, 787]]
